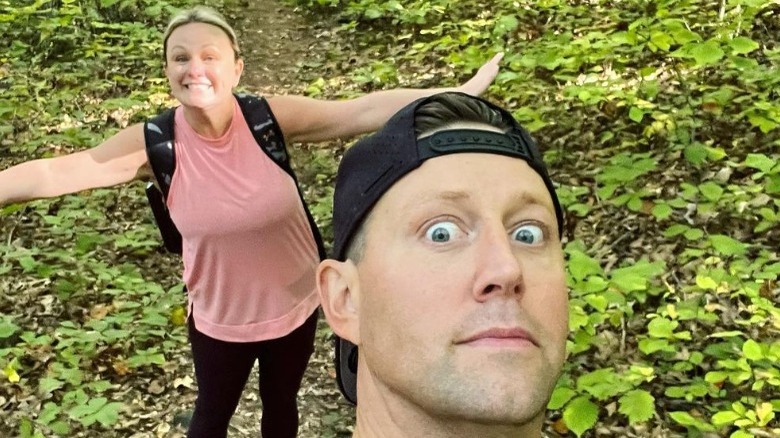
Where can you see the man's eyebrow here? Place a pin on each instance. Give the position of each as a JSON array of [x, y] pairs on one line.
[[528, 199], [446, 195], [524, 198]]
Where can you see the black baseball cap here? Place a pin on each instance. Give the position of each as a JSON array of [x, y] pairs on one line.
[[374, 163]]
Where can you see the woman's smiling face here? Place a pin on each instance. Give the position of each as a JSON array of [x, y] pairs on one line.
[[201, 65]]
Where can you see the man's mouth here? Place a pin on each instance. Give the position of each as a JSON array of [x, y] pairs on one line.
[[500, 337]]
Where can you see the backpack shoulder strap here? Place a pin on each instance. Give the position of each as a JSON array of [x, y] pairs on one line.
[[269, 137], [158, 135]]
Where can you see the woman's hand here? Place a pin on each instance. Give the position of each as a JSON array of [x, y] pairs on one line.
[[484, 77]]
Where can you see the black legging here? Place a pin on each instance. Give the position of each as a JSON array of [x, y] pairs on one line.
[[222, 369]]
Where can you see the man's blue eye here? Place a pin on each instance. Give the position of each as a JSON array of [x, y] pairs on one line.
[[528, 234], [441, 232]]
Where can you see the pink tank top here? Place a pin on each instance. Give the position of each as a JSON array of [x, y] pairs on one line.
[[248, 252]]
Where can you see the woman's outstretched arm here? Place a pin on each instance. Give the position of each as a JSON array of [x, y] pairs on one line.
[[303, 119], [119, 159]]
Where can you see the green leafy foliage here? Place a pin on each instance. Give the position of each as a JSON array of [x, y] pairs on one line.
[[580, 415], [637, 405], [73, 73], [660, 121]]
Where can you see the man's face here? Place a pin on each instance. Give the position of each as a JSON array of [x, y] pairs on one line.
[[462, 296]]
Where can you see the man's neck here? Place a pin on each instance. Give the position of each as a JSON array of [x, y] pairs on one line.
[[389, 417], [367, 429]]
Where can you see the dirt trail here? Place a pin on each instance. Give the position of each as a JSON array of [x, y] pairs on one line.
[[274, 40]]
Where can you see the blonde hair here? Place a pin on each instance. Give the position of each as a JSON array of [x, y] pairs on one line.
[[200, 14]]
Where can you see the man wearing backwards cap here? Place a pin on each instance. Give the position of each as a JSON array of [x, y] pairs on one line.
[[447, 274]]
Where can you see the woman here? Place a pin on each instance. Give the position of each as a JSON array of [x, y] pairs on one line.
[[249, 254]]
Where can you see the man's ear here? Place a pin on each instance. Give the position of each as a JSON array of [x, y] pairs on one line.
[[339, 287]]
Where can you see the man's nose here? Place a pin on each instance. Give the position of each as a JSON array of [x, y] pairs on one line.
[[499, 269]]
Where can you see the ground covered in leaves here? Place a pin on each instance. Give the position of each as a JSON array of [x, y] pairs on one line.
[[276, 41], [660, 121]]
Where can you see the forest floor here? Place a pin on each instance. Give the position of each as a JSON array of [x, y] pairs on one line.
[[659, 125]]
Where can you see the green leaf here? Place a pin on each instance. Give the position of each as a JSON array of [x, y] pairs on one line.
[[593, 284], [676, 230], [61, 428], [765, 413], [752, 350], [91, 407], [638, 405], [685, 36], [684, 418], [711, 191], [577, 318], [742, 45], [603, 383], [693, 234], [662, 211], [723, 418], [707, 53], [582, 265], [762, 122], [636, 114], [25, 428], [773, 184], [560, 397], [627, 282], [372, 13], [705, 282], [728, 246], [505, 25], [48, 385], [49, 413], [662, 40], [580, 415], [662, 328], [109, 414], [598, 302], [760, 162], [650, 346], [7, 328]]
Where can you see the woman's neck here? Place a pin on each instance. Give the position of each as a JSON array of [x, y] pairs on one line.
[[211, 122]]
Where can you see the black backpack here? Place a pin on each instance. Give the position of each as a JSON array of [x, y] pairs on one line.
[[158, 135]]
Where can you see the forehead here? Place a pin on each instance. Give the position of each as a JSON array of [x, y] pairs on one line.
[[197, 34], [477, 179]]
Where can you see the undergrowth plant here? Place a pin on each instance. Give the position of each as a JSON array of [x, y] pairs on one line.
[[661, 124], [80, 315]]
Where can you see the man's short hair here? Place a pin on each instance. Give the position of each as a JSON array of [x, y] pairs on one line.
[[440, 112], [418, 132]]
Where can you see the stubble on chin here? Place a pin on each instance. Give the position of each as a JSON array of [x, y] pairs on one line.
[[499, 390]]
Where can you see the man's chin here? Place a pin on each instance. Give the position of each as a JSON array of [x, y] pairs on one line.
[[504, 399]]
